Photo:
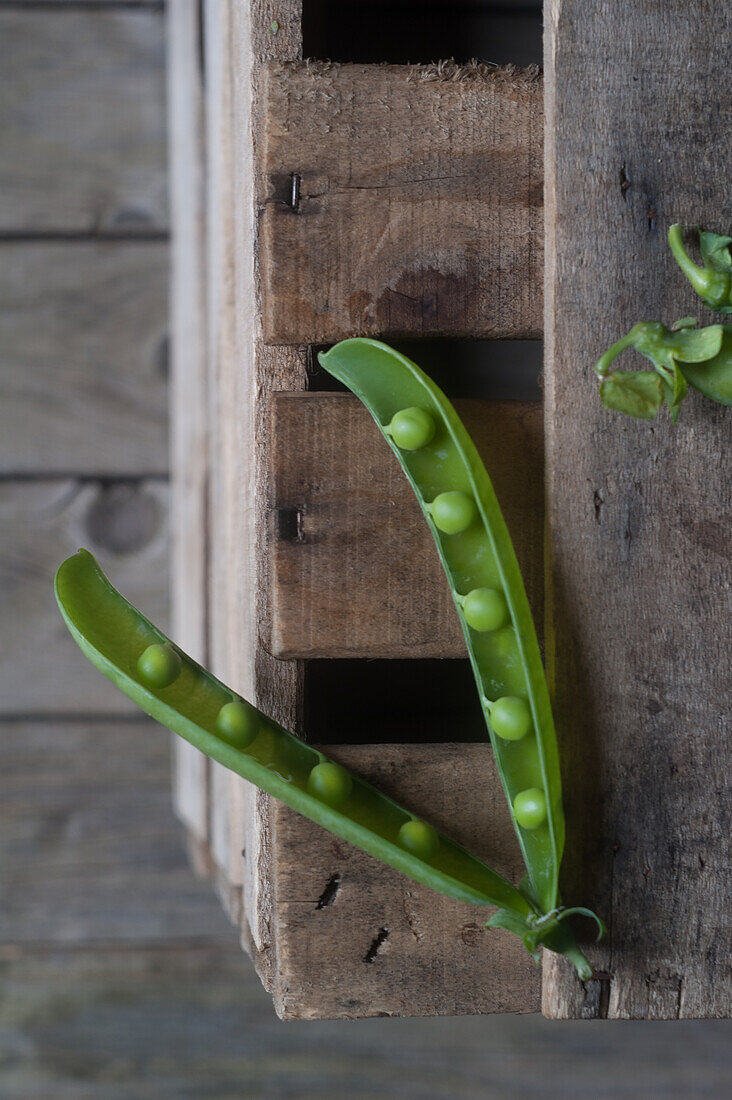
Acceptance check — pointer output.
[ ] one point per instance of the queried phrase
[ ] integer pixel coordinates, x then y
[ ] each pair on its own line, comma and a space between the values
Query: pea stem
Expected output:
579, 961
603, 363
713, 287
697, 276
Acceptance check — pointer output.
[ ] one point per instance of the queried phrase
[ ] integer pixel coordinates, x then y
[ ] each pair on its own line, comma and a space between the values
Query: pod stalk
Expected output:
712, 286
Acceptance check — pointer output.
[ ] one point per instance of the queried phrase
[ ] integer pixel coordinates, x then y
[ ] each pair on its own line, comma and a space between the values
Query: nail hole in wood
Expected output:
379, 940
330, 892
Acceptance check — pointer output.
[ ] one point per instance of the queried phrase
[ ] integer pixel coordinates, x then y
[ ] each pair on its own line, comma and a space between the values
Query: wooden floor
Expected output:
120, 978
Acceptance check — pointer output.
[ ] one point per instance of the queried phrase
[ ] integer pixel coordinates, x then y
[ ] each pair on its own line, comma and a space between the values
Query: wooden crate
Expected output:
314, 201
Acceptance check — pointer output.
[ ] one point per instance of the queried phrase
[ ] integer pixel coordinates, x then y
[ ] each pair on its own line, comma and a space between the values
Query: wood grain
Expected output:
343, 519
188, 383
354, 938
89, 848
639, 515
77, 394
82, 140
241, 373
41, 522
418, 204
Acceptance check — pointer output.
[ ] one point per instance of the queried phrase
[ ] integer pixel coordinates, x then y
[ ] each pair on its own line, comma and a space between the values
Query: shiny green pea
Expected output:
485, 609
412, 428
159, 666
511, 718
420, 839
330, 783
237, 724
453, 512
529, 808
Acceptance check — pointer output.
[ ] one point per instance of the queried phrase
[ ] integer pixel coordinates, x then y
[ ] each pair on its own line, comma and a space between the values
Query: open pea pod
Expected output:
179, 693
451, 483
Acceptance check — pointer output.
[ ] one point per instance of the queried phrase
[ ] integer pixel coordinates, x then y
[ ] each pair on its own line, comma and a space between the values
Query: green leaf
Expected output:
675, 392
684, 322
635, 393
697, 346
715, 251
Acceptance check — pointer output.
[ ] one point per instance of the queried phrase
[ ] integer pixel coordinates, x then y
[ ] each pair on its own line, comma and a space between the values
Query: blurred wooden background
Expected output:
119, 975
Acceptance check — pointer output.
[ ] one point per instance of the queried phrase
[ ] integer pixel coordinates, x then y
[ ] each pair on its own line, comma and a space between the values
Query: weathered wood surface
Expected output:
77, 395
353, 938
399, 200
188, 383
242, 372
639, 515
88, 846
82, 140
343, 519
141, 1023
41, 523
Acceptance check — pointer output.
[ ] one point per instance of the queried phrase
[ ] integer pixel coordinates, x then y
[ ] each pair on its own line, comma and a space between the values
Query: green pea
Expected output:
453, 512
511, 718
420, 839
159, 666
485, 609
236, 723
412, 428
330, 783
529, 808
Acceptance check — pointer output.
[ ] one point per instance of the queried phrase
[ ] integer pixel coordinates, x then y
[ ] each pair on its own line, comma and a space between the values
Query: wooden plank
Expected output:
78, 395
82, 140
112, 1024
345, 520
638, 515
41, 523
354, 938
188, 384
89, 848
242, 372
417, 206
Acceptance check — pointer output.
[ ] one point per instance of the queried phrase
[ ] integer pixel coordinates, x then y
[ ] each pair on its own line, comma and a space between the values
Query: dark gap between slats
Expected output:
413, 32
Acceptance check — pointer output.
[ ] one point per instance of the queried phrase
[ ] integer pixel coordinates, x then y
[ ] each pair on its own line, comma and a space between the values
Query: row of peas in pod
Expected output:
188, 699
484, 610
239, 725
457, 498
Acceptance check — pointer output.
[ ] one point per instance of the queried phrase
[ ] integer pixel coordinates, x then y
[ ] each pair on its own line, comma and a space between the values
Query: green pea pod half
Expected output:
179, 693
453, 487
713, 281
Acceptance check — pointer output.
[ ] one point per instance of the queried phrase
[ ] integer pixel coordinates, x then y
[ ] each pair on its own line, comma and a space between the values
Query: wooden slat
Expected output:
89, 848
82, 139
117, 1024
220, 325
238, 39
77, 394
354, 938
354, 570
41, 523
639, 515
418, 206
188, 385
